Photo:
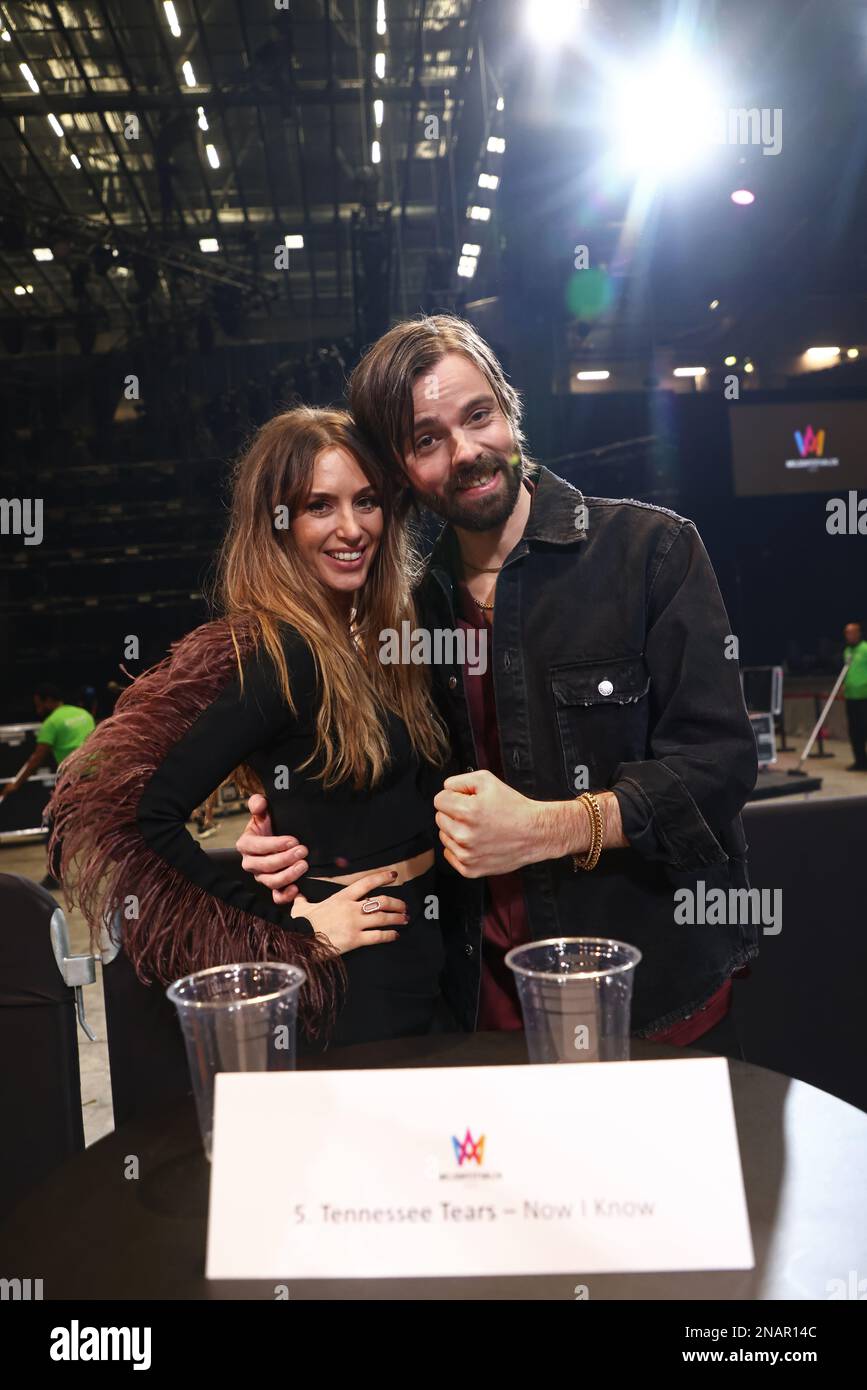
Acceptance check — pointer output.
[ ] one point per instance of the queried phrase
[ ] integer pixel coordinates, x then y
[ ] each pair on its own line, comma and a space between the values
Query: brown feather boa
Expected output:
98, 852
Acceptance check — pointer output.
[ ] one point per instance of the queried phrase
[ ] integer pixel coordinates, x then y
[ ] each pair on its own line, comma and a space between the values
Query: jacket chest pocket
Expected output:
602, 718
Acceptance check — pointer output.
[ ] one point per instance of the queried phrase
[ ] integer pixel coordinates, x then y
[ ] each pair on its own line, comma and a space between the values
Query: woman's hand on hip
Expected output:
348, 920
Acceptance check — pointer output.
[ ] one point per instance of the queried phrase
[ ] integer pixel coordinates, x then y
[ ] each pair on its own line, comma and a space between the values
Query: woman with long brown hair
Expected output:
286, 692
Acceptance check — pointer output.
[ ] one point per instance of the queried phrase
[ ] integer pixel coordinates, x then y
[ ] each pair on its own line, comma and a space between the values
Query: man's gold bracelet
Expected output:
597, 834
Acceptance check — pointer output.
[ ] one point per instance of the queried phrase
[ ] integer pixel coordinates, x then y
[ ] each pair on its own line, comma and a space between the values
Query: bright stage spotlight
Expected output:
663, 115
743, 197
550, 22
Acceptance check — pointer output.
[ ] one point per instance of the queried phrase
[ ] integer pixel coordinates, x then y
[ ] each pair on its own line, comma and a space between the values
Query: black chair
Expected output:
802, 1009
146, 1054
40, 996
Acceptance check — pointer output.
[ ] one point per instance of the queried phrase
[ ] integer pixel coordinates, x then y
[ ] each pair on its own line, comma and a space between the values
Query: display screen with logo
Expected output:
814, 446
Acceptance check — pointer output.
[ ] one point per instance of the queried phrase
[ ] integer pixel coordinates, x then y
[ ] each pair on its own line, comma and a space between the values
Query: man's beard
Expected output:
484, 513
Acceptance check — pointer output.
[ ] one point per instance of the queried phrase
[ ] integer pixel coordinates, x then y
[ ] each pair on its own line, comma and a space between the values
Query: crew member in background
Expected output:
63, 729
855, 691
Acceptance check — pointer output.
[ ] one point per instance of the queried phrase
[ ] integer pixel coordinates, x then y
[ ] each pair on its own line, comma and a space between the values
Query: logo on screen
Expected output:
468, 1148
810, 442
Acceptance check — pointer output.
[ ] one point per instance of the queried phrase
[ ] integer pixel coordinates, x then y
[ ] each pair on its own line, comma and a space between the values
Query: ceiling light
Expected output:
213, 157
43, 253
203, 120
55, 125
28, 75
189, 75
496, 145
488, 181
690, 371
743, 197
593, 376
209, 243
294, 240
172, 17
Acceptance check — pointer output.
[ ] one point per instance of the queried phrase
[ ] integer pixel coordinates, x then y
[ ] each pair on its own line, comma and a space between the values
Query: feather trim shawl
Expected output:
98, 852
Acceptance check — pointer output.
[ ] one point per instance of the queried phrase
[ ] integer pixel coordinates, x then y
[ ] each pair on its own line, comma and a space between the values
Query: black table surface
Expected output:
91, 1232
774, 784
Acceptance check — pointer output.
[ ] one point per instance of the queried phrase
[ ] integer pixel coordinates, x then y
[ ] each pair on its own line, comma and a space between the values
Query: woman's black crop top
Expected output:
344, 829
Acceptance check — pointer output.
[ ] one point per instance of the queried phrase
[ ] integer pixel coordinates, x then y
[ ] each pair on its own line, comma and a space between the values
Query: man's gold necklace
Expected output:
482, 569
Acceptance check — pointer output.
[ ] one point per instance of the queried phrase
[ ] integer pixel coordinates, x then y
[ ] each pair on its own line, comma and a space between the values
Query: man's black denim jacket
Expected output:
608, 652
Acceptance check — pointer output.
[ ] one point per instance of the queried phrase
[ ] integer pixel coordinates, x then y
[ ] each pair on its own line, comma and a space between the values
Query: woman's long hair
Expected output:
262, 576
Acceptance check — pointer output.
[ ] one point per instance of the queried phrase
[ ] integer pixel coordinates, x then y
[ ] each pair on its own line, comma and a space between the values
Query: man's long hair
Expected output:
381, 386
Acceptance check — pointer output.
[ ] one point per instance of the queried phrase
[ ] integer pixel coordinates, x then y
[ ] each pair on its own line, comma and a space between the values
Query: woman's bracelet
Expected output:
597, 834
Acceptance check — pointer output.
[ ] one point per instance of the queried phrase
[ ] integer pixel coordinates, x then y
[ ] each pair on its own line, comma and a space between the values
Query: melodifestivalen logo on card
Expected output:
468, 1149
469, 1160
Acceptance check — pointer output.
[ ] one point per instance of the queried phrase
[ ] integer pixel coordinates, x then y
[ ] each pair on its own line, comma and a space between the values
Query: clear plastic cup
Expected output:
576, 997
236, 1018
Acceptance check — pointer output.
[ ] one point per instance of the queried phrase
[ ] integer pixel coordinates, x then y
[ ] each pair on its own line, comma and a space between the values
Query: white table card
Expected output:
615, 1167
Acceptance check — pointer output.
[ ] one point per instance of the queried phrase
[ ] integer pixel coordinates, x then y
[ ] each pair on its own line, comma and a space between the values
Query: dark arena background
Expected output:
653, 211
146, 330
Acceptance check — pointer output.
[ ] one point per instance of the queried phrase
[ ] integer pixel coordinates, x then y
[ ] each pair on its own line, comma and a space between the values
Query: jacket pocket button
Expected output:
468, 950
605, 688
453, 682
